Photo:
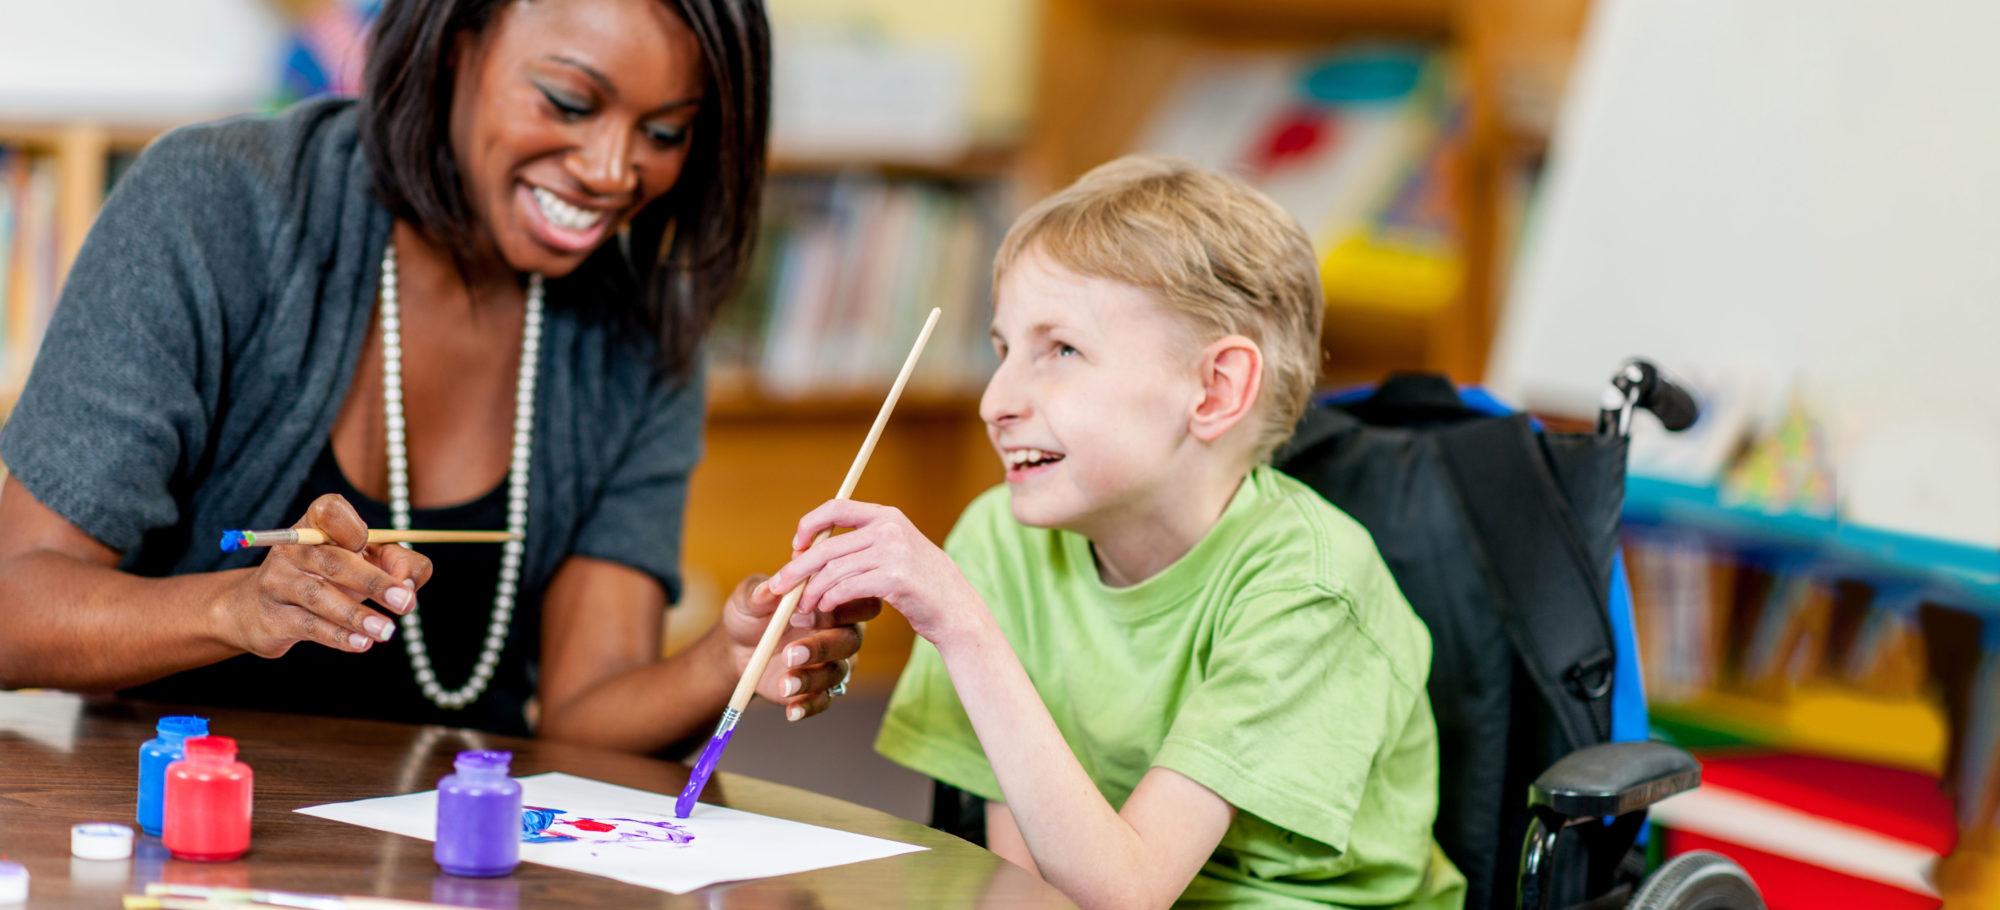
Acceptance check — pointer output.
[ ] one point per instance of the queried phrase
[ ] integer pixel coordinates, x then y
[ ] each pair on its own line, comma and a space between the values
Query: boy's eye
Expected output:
567, 108
1063, 350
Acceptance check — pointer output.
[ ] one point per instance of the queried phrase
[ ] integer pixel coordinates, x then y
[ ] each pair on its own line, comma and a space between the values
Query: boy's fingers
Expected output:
833, 573
834, 513
814, 560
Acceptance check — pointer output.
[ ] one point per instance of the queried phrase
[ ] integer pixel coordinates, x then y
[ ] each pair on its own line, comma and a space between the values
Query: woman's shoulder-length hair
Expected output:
683, 256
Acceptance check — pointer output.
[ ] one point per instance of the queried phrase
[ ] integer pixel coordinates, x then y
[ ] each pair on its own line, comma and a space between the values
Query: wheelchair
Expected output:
1503, 535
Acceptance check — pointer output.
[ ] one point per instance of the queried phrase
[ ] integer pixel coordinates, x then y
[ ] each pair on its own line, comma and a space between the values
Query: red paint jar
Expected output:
208, 802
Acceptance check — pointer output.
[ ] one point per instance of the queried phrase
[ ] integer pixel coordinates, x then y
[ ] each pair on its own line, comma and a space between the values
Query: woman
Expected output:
470, 300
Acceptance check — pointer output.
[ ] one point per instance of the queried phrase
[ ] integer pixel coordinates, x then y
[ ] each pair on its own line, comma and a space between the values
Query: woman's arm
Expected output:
603, 681
69, 619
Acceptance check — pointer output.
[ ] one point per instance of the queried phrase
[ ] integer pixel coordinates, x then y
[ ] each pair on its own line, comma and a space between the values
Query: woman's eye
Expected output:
566, 107
667, 136
1063, 350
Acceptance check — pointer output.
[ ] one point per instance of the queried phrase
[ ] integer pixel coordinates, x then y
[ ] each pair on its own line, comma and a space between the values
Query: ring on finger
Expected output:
840, 688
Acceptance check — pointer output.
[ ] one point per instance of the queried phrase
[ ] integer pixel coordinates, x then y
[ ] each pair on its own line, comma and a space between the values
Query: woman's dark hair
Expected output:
686, 251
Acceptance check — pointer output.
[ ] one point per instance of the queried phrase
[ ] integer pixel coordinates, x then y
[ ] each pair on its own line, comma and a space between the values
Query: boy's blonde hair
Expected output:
1211, 249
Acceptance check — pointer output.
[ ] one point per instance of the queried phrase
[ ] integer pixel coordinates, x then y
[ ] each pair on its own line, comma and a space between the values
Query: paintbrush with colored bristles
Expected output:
766, 646
312, 537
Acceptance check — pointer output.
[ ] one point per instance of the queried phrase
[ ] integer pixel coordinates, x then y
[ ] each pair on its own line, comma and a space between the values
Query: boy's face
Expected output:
1089, 408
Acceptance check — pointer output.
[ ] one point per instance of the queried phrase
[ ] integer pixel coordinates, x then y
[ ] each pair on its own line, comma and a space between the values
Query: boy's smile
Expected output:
1089, 407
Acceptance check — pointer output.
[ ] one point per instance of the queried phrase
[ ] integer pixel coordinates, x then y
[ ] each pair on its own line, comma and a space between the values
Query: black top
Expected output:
457, 607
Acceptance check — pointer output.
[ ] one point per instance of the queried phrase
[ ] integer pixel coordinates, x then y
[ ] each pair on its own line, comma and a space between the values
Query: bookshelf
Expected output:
1105, 65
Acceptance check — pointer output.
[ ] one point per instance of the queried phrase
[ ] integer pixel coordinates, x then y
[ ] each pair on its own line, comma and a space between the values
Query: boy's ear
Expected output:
1232, 372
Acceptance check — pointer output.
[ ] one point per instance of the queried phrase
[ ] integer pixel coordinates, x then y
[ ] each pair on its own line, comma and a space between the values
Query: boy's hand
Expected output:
882, 556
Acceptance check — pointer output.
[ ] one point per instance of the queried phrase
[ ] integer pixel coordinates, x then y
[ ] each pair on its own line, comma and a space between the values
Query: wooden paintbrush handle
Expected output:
746, 687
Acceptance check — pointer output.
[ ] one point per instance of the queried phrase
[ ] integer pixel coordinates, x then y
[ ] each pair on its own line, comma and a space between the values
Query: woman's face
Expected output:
568, 118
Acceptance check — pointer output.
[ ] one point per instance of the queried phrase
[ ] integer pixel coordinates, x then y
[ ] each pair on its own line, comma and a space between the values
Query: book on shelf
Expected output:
29, 253
1357, 142
845, 269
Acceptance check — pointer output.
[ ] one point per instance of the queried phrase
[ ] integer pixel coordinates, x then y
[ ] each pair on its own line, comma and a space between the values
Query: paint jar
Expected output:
208, 802
154, 757
13, 883
479, 817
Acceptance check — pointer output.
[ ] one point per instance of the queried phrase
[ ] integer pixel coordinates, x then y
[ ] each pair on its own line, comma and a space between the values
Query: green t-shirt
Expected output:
1275, 663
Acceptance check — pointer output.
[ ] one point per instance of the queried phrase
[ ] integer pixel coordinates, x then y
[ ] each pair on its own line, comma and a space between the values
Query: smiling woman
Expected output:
471, 298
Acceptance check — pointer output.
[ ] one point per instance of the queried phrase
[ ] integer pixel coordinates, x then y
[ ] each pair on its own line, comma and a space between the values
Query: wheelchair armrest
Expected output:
1611, 779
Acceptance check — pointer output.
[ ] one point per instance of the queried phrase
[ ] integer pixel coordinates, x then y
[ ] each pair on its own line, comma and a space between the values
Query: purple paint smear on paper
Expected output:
703, 768
547, 826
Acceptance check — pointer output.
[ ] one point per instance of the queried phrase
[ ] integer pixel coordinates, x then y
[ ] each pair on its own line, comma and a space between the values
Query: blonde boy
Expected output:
1174, 673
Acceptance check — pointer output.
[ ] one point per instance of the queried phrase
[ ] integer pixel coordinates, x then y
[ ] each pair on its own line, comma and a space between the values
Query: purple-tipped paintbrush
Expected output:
746, 687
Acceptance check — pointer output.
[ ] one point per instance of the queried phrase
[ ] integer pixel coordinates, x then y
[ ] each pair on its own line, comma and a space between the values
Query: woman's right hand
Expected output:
315, 593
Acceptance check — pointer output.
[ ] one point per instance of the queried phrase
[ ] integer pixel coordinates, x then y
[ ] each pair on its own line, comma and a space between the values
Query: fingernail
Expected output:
791, 685
356, 641
795, 656
378, 627
794, 713
802, 620
410, 583
399, 598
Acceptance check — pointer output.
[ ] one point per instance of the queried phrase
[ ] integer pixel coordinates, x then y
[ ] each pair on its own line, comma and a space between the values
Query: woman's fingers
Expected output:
335, 516
329, 600
808, 706
355, 572
816, 679
402, 563
307, 627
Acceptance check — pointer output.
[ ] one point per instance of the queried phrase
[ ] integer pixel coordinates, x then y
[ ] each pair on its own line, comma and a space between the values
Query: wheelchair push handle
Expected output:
1641, 385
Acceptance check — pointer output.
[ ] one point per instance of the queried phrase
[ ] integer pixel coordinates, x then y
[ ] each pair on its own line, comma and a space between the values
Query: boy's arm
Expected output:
1003, 836
1142, 856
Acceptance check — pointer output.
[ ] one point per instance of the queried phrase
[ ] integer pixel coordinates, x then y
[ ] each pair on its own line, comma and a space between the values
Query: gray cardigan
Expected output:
208, 332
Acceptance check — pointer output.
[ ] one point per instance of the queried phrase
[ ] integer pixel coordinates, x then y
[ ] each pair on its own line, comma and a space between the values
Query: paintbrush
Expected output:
747, 686
312, 537
165, 896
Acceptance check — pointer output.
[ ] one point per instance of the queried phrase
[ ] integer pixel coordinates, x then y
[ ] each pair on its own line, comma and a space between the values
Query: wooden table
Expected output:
65, 760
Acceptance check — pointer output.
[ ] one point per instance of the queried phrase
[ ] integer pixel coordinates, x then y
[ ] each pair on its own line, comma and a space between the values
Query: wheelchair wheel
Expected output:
1698, 880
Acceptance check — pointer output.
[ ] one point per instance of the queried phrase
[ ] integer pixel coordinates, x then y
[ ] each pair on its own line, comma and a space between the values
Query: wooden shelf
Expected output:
977, 165
736, 398
51, 137
1415, 17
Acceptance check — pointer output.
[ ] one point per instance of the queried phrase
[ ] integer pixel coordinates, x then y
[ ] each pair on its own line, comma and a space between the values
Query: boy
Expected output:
1176, 674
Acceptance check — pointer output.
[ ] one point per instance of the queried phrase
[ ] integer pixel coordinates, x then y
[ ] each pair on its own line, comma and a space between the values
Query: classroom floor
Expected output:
832, 754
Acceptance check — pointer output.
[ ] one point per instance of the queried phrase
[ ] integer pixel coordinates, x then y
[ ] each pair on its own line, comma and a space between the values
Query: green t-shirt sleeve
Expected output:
1295, 704
926, 729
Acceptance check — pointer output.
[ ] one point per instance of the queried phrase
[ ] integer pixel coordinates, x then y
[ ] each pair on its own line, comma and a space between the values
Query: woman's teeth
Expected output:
1021, 458
563, 215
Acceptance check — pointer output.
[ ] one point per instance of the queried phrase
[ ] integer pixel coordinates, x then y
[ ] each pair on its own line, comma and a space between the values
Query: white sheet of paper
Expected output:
727, 845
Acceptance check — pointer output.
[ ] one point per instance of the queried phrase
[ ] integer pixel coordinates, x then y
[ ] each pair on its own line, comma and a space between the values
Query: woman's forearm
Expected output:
70, 624
648, 707
1080, 842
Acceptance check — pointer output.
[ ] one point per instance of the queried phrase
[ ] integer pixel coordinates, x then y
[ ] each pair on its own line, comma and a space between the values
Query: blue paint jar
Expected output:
154, 757
479, 817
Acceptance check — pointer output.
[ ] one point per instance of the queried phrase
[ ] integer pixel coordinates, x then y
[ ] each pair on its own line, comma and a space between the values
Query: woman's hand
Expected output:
315, 593
814, 656
883, 557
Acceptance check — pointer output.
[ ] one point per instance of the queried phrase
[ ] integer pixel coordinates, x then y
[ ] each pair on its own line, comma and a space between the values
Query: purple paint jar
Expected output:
479, 817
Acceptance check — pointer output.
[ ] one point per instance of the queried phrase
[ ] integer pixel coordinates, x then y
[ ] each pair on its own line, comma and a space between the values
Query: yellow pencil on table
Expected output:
166, 896
746, 687
237, 540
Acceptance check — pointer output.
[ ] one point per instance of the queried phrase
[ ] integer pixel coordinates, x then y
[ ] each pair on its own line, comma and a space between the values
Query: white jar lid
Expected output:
13, 883
100, 840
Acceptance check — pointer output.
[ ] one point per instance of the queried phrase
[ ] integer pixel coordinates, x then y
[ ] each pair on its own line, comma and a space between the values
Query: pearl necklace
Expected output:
517, 486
